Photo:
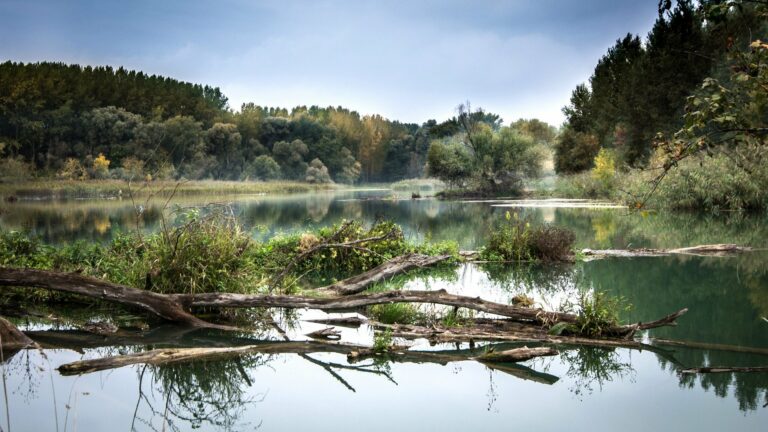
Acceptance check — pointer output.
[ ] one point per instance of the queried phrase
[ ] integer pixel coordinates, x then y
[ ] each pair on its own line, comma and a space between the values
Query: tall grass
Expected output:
121, 188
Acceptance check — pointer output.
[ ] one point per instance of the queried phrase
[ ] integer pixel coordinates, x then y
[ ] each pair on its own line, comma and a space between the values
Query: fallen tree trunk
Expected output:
11, 338
725, 369
74, 283
401, 264
160, 357
701, 250
535, 316
516, 354
173, 306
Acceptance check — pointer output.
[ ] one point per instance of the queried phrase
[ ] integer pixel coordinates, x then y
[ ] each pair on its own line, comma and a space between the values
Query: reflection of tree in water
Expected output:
592, 367
197, 393
749, 389
544, 278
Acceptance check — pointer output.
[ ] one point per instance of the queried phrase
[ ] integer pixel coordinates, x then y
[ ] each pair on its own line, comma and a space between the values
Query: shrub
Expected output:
317, 172
515, 240
14, 169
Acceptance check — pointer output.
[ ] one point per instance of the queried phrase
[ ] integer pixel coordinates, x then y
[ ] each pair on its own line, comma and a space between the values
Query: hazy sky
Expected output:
409, 60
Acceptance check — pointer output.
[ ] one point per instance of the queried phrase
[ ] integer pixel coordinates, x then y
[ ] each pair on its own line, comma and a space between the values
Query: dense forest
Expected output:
78, 122
640, 88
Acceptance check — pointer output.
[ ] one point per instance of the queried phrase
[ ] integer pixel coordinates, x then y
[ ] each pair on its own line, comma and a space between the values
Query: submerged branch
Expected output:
701, 250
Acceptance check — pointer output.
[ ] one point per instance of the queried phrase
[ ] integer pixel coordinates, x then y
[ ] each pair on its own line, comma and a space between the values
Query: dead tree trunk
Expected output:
74, 283
401, 264
11, 338
701, 250
516, 355
172, 306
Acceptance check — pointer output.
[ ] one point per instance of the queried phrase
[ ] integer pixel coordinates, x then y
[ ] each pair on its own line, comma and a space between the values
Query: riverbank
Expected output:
57, 189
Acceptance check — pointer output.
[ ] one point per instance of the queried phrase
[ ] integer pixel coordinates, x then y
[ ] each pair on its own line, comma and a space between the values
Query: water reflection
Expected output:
727, 299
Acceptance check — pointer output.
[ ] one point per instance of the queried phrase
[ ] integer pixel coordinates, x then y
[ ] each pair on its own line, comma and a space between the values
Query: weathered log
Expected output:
352, 322
701, 250
75, 283
536, 316
328, 333
516, 355
11, 338
710, 346
395, 266
724, 369
172, 306
160, 357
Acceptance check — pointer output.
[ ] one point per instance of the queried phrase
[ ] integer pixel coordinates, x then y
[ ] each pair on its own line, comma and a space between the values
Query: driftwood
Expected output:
529, 315
11, 338
74, 283
401, 264
174, 307
176, 355
724, 369
328, 333
352, 322
701, 250
516, 355
710, 346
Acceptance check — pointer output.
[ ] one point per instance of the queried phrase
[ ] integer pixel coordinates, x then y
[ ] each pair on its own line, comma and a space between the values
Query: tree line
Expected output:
78, 122
641, 91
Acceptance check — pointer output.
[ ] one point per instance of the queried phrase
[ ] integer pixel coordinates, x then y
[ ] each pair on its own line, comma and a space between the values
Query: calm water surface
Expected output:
580, 389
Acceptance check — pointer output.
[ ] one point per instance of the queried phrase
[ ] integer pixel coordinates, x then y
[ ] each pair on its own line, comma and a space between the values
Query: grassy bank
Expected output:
119, 188
709, 184
211, 252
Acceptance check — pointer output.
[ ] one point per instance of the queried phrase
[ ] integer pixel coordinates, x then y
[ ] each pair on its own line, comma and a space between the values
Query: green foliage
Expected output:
640, 88
598, 312
514, 239
448, 161
202, 254
317, 172
575, 151
14, 169
488, 159
715, 183
395, 313
263, 168
382, 341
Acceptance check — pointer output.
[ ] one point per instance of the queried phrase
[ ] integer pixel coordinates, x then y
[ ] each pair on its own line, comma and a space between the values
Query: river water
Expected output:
580, 389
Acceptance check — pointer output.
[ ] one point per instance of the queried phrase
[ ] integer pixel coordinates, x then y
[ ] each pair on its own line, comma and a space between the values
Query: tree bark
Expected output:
401, 264
11, 338
173, 306
701, 250
516, 354
74, 283
724, 369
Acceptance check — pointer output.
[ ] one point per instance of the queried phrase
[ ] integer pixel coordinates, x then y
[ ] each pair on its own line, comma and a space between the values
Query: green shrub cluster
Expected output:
514, 239
212, 253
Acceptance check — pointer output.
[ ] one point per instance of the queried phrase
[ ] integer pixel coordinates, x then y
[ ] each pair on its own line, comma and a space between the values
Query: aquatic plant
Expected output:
514, 239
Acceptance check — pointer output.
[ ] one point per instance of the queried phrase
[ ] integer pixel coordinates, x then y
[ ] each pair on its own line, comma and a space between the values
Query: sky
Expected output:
410, 60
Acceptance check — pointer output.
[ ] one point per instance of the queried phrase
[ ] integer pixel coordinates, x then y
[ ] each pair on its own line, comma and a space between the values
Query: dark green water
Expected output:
580, 389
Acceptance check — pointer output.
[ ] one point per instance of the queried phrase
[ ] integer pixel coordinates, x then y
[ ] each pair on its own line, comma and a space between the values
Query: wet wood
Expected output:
516, 354
173, 307
11, 338
725, 369
395, 266
159, 357
75, 283
327, 333
710, 346
701, 250
351, 322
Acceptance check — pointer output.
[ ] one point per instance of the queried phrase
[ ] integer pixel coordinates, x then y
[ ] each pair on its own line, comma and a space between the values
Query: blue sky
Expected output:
408, 60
